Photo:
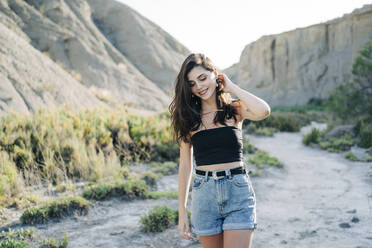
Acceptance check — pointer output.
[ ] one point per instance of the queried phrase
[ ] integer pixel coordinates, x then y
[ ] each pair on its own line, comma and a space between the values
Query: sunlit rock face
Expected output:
83, 53
291, 67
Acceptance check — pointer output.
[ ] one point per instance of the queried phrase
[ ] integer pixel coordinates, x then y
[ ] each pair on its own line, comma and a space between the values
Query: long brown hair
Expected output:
185, 110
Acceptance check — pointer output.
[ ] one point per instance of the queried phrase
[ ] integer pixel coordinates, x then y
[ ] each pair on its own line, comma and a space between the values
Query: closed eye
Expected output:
192, 84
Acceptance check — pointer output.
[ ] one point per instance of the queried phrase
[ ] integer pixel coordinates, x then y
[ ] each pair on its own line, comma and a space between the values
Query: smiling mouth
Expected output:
203, 92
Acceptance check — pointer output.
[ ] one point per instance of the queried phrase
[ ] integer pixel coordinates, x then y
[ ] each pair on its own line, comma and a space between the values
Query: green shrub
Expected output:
312, 137
158, 219
166, 168
314, 104
22, 158
52, 243
54, 210
365, 136
11, 243
332, 144
260, 158
160, 194
65, 186
265, 131
165, 152
98, 192
20, 234
352, 98
129, 189
276, 121
351, 156
59, 144
248, 147
52, 146
150, 178
11, 183
16, 238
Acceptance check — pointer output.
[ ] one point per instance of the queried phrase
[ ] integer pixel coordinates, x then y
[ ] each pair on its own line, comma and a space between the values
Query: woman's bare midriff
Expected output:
220, 166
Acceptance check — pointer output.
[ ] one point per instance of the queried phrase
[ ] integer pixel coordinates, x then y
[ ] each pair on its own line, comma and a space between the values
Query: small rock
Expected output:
355, 220
341, 130
283, 242
293, 219
351, 211
345, 225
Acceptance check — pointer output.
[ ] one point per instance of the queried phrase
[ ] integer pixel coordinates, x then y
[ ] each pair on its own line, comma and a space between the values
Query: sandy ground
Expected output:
319, 199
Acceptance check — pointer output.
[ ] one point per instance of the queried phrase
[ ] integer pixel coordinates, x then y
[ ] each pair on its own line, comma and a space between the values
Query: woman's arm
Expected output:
250, 106
184, 175
258, 109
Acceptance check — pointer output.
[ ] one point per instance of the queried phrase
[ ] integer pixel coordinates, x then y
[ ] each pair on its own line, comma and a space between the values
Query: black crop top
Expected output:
217, 145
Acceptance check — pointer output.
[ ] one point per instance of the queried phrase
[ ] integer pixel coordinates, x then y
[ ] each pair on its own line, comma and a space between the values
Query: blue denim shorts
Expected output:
222, 204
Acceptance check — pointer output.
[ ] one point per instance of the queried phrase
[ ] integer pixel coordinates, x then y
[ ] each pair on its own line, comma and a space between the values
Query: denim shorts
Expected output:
222, 204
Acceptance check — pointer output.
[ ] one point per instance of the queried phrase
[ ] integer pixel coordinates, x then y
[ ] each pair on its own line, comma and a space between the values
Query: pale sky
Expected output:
221, 29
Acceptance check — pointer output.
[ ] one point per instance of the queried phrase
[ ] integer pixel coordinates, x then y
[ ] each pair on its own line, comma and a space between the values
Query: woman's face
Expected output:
202, 82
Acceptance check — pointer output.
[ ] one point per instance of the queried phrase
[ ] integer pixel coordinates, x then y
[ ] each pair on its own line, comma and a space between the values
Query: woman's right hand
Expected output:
184, 226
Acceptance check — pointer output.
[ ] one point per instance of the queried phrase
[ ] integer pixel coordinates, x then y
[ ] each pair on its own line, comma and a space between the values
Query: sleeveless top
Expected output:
217, 145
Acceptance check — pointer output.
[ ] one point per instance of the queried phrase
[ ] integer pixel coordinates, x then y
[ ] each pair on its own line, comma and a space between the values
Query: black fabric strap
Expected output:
223, 173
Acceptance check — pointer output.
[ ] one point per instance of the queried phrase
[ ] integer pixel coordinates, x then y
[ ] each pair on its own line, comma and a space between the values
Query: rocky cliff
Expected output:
83, 53
291, 67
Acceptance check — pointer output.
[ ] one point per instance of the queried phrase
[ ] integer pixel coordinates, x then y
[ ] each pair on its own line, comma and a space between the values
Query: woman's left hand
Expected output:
226, 82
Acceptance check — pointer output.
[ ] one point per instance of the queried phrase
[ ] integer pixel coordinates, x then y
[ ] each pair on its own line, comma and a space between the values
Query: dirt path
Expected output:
311, 201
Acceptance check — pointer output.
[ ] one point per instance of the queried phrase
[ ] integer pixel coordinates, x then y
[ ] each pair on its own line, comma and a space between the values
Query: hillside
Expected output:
83, 53
291, 67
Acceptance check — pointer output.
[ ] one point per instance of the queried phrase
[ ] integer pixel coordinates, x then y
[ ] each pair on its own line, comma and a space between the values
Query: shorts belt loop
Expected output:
206, 176
228, 173
246, 169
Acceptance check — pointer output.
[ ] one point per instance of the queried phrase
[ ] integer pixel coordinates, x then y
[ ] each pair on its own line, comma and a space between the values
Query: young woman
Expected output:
207, 123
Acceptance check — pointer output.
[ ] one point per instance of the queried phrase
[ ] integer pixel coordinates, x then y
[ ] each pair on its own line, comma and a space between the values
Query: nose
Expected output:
198, 85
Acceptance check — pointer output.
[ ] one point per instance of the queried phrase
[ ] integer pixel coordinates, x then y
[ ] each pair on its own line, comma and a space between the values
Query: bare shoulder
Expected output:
185, 145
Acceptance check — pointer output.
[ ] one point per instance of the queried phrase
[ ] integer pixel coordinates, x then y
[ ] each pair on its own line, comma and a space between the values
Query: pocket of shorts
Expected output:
197, 183
240, 180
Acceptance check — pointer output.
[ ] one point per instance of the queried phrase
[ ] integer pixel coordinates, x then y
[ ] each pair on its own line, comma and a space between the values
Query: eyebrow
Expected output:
198, 77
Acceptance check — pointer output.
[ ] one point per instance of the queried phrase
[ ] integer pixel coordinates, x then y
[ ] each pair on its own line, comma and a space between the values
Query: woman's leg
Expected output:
237, 238
212, 241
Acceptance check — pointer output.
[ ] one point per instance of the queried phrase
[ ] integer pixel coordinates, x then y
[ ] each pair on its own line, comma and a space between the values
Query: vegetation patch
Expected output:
248, 148
262, 158
150, 178
64, 187
318, 138
55, 210
350, 102
259, 158
61, 145
277, 122
363, 131
332, 144
16, 238
163, 194
129, 189
52, 243
165, 168
158, 219
314, 104
342, 142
